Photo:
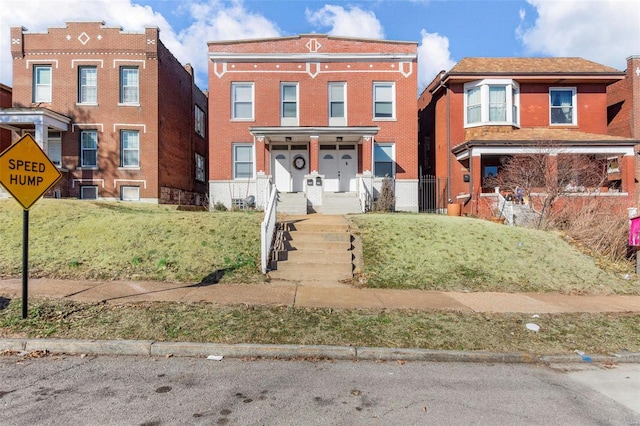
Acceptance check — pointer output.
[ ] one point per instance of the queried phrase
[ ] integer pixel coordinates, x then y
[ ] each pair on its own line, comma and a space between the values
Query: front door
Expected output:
347, 169
339, 165
289, 163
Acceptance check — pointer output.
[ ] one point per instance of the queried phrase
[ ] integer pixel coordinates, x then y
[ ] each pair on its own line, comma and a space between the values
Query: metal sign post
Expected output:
27, 174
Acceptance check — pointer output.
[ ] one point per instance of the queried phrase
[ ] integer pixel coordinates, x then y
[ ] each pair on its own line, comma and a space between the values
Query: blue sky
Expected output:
604, 31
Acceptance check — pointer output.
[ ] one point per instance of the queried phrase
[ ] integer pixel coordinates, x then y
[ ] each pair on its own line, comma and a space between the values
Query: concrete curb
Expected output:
243, 350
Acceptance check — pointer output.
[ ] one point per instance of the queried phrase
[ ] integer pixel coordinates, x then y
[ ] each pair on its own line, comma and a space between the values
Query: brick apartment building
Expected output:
623, 109
315, 115
485, 110
114, 110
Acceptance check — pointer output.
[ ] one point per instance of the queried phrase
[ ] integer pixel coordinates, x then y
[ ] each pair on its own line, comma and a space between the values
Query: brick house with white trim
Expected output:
114, 110
315, 115
484, 110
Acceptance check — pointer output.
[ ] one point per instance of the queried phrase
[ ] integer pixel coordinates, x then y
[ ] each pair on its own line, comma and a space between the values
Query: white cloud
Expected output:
433, 57
604, 31
37, 16
212, 20
353, 22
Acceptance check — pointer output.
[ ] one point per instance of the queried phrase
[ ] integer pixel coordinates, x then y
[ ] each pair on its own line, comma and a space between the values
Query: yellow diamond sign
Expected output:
26, 172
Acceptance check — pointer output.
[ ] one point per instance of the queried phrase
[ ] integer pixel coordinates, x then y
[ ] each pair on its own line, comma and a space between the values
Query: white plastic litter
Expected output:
535, 316
215, 357
533, 327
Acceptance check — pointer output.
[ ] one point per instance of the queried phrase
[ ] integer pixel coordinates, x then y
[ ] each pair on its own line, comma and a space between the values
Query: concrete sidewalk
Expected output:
338, 296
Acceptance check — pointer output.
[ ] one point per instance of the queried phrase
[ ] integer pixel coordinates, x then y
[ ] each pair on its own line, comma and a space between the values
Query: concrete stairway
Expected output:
293, 203
337, 203
315, 250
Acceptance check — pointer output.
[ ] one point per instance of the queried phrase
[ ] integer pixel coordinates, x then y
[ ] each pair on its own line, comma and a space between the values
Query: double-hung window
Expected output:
199, 118
200, 168
87, 85
243, 161
289, 104
130, 148
384, 104
242, 101
562, 103
89, 148
42, 83
383, 160
337, 104
129, 85
492, 101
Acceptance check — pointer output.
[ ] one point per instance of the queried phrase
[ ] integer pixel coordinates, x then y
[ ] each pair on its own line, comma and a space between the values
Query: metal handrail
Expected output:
268, 228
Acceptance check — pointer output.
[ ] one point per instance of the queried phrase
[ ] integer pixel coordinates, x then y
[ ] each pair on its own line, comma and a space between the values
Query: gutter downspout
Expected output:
446, 88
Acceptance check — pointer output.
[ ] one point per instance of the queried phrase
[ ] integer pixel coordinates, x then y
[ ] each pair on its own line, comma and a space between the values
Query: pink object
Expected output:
634, 231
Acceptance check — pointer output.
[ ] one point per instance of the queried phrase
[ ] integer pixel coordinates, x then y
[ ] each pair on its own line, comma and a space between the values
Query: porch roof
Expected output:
332, 134
544, 140
27, 118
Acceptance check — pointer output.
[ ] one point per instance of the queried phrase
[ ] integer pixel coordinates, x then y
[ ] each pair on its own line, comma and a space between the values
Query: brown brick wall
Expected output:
5, 102
108, 49
313, 95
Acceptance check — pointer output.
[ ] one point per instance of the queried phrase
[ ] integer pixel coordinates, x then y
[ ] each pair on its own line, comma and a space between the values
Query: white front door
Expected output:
347, 170
289, 165
281, 173
329, 168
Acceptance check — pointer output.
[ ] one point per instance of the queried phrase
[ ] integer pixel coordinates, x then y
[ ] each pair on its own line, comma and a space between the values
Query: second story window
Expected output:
562, 102
289, 104
89, 148
130, 147
242, 101
129, 85
491, 101
200, 125
384, 105
42, 83
337, 104
87, 85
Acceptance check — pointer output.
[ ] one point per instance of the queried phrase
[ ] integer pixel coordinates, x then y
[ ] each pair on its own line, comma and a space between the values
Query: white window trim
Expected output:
122, 150
289, 121
82, 149
511, 100
253, 160
121, 86
574, 106
36, 99
393, 100
339, 121
253, 102
80, 86
129, 187
393, 159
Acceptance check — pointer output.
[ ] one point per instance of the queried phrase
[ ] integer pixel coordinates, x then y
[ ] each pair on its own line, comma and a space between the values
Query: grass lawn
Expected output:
435, 252
114, 240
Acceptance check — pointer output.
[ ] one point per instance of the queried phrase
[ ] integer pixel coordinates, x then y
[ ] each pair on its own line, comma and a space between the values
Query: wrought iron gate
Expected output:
432, 194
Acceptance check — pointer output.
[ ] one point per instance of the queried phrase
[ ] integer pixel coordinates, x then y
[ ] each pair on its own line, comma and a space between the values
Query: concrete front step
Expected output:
326, 246
328, 237
315, 256
311, 272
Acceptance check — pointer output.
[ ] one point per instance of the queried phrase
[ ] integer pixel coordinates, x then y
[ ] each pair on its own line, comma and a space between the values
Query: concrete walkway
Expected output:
338, 296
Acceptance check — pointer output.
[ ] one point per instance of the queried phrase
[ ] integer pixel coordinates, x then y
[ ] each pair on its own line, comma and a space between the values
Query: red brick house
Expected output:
623, 108
115, 110
484, 110
315, 115
5, 102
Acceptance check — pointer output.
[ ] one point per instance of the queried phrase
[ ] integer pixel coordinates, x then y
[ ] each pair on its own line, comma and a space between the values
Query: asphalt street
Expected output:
116, 390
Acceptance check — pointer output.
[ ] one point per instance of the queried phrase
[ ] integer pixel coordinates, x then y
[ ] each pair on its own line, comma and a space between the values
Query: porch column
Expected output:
260, 155
628, 176
475, 186
314, 147
42, 135
367, 155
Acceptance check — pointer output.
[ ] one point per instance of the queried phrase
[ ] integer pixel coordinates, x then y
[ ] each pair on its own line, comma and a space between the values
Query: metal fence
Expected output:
432, 197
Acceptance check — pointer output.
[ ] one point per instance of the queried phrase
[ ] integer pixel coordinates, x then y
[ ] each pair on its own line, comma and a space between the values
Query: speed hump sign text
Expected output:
26, 172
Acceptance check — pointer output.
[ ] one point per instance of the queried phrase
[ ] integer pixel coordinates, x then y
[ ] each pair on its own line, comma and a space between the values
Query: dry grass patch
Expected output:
116, 240
437, 330
434, 252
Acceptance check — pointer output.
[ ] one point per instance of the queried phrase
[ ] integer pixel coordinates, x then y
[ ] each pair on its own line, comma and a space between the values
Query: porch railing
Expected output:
268, 228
